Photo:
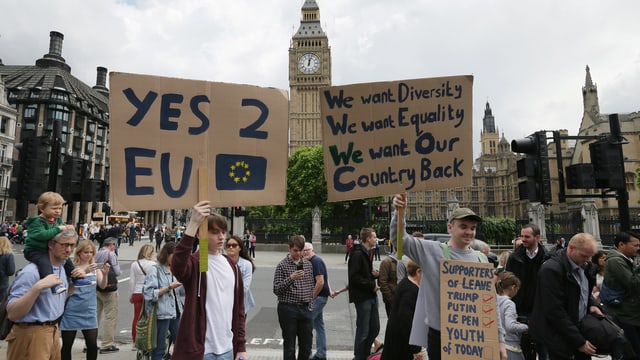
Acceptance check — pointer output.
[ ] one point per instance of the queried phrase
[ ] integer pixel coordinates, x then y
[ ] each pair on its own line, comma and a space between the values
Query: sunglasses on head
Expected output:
232, 246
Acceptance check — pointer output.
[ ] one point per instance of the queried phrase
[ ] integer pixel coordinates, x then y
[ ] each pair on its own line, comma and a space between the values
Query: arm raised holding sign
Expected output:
224, 279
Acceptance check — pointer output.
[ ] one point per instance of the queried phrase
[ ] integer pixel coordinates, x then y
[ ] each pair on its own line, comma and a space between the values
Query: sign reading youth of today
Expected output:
163, 129
468, 320
389, 137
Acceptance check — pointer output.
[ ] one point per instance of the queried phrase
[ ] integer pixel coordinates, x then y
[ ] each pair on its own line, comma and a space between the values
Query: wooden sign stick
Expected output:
203, 230
400, 233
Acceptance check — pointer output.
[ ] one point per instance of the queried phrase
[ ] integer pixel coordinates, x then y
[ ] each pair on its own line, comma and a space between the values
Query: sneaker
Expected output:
82, 283
110, 350
58, 289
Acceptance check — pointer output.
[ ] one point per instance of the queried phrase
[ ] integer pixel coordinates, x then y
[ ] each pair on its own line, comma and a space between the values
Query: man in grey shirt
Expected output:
425, 330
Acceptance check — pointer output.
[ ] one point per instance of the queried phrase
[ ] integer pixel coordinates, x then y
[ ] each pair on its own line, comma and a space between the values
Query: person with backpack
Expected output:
462, 225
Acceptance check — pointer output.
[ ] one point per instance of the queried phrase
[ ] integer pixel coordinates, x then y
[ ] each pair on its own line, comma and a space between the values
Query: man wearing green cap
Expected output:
425, 330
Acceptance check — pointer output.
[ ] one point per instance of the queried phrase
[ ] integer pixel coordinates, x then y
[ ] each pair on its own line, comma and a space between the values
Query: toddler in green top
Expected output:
41, 229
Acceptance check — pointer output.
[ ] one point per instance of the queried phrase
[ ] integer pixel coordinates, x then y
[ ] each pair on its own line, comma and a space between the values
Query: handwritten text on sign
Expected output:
388, 137
468, 323
163, 129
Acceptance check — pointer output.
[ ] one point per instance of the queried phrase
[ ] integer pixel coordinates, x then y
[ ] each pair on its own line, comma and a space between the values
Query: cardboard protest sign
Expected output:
390, 137
468, 321
162, 130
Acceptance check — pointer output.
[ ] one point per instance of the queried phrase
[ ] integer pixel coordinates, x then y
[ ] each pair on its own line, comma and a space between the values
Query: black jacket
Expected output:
396, 338
554, 320
361, 282
527, 271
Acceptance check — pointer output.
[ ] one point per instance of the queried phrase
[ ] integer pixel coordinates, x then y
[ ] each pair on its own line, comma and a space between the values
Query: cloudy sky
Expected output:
528, 58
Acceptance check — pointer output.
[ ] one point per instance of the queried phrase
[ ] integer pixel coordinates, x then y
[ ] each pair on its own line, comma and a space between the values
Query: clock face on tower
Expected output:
309, 63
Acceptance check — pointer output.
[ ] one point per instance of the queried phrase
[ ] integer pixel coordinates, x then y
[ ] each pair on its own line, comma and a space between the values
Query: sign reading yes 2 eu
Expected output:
162, 130
390, 137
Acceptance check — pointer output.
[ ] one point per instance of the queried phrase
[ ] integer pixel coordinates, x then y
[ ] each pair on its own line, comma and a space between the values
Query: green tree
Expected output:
499, 231
307, 188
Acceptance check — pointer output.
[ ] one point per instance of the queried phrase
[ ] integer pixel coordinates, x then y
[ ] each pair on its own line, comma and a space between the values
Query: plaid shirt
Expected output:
297, 292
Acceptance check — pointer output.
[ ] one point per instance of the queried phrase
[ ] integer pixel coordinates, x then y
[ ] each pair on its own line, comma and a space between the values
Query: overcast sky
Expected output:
528, 58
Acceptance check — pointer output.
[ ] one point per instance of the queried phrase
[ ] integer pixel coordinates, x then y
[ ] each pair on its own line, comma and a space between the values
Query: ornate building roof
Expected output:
40, 82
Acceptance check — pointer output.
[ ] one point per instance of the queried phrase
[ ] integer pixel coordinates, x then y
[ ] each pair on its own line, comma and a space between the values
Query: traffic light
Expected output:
533, 170
580, 176
608, 164
74, 173
224, 211
33, 161
93, 190
238, 211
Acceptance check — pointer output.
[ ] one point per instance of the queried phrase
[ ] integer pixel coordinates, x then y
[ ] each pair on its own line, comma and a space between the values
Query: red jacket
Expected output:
191, 334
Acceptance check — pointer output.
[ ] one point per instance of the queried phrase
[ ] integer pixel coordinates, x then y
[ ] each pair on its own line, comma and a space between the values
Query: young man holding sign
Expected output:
425, 330
214, 303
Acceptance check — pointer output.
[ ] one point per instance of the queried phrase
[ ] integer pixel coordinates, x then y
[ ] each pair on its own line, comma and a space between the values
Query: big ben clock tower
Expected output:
309, 70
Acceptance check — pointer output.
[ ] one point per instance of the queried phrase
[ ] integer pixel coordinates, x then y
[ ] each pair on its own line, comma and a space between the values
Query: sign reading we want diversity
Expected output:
162, 130
390, 137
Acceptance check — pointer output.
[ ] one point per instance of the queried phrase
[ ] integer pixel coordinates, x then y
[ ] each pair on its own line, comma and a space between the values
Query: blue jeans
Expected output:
367, 327
295, 321
164, 326
226, 356
318, 326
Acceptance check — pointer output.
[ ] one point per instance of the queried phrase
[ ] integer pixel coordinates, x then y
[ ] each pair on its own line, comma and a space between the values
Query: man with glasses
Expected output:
562, 299
36, 312
108, 297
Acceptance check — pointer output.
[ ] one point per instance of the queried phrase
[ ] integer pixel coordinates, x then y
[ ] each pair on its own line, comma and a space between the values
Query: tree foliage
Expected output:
499, 231
306, 189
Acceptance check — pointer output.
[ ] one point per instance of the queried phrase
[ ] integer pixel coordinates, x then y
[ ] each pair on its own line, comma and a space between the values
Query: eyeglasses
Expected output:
233, 246
66, 245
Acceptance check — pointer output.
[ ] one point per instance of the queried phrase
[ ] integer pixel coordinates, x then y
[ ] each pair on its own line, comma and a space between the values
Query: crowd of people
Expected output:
544, 296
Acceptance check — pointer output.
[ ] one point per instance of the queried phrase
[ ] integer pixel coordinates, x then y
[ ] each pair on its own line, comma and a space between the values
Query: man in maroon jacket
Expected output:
211, 330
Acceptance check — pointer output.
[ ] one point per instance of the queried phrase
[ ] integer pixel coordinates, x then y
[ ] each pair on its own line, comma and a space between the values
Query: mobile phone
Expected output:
300, 267
99, 266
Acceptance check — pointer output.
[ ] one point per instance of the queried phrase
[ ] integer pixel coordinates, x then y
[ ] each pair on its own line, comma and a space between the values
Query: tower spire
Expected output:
590, 96
588, 81
488, 121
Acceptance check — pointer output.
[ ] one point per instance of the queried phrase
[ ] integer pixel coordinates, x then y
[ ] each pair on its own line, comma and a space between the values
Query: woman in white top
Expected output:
240, 255
139, 270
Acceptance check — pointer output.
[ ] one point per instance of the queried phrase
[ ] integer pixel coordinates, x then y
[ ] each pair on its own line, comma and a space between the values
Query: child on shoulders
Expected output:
43, 228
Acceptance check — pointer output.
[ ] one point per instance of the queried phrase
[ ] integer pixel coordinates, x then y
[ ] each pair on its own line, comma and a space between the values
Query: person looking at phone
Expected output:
293, 285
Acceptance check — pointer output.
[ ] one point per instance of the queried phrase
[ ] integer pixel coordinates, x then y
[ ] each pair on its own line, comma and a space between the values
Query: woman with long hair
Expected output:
7, 264
139, 270
80, 312
240, 255
160, 288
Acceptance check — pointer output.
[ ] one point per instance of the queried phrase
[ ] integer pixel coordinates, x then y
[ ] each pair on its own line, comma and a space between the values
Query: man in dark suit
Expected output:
525, 262
562, 299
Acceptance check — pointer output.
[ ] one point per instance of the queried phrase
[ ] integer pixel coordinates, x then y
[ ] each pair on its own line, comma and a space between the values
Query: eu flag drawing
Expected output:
240, 172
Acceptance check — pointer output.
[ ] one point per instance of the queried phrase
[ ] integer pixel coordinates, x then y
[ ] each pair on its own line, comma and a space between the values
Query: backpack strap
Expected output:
447, 254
